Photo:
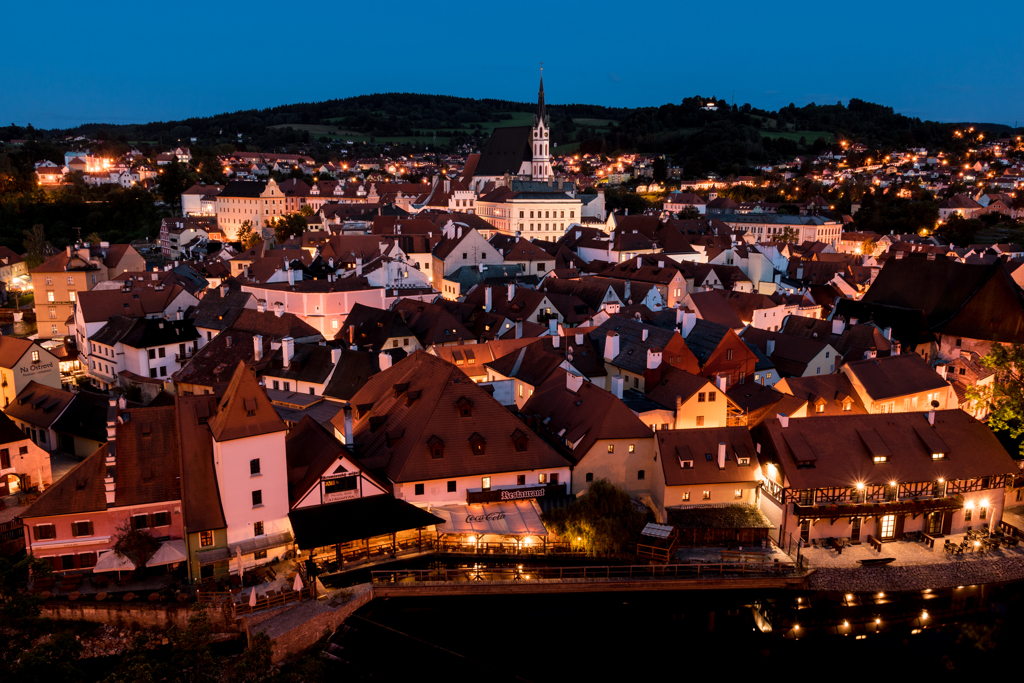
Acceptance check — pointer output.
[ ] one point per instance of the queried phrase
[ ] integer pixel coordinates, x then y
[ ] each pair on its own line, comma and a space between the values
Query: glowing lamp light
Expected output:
846, 624
796, 627
892, 484
849, 596
969, 505
924, 615
860, 486
878, 621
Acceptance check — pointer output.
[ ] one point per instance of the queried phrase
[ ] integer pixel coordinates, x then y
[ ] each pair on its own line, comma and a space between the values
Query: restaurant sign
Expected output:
342, 486
499, 495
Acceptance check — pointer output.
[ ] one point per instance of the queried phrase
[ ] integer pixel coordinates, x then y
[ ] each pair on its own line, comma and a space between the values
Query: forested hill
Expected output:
703, 134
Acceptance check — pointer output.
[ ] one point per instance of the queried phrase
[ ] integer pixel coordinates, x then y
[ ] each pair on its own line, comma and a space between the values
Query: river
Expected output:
675, 634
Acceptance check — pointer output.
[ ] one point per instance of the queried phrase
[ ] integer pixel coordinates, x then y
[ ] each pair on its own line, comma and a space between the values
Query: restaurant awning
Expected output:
350, 520
169, 552
247, 547
512, 518
112, 562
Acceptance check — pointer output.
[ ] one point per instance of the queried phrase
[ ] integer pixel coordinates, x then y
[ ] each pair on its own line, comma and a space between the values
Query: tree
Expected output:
93, 238
256, 663
247, 236
868, 246
287, 226
192, 659
1005, 396
660, 169
688, 213
135, 545
175, 178
602, 520
35, 246
788, 234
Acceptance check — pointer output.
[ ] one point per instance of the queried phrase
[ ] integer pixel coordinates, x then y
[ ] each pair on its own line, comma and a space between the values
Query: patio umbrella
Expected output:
112, 562
169, 552
252, 597
298, 582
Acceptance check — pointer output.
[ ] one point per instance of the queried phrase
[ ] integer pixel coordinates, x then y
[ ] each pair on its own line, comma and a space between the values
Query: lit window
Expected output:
632, 448
611, 448
707, 495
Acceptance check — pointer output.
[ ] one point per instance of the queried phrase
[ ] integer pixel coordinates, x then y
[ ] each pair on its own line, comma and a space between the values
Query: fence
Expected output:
272, 599
792, 545
601, 573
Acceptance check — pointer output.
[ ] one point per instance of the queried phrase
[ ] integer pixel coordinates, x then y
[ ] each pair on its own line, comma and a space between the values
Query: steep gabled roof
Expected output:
245, 409
414, 402
202, 507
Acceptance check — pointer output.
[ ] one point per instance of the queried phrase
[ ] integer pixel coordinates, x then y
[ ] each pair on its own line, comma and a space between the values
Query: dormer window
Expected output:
465, 407
743, 462
686, 464
880, 459
436, 447
250, 407
520, 440
478, 444
938, 456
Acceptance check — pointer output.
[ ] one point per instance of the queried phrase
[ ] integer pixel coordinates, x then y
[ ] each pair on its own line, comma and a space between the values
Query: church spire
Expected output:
542, 112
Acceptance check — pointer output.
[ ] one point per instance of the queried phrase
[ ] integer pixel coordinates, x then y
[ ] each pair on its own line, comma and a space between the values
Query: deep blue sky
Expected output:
67, 63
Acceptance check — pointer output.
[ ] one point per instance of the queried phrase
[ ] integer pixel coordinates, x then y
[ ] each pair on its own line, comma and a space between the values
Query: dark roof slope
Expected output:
202, 507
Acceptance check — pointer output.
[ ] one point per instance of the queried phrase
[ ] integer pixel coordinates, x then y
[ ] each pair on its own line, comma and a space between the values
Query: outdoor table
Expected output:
128, 597
100, 597
182, 597
74, 596
46, 595
153, 597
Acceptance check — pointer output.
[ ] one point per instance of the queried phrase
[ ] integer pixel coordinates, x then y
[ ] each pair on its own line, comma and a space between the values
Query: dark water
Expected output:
678, 634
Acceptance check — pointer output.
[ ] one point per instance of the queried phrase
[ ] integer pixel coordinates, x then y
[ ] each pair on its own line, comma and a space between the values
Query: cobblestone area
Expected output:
962, 571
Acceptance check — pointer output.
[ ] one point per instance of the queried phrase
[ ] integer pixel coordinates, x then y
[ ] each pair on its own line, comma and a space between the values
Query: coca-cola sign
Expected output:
489, 517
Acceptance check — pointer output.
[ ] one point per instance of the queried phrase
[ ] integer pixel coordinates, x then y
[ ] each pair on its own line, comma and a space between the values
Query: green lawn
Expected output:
568, 148
999, 234
809, 135
596, 123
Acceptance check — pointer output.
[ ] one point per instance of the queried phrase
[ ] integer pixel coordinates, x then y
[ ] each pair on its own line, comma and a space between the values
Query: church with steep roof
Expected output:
520, 151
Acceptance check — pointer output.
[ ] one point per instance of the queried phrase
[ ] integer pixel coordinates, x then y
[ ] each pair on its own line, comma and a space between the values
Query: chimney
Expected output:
511, 291
553, 327
223, 289
579, 338
519, 329
257, 347
335, 356
69, 250
645, 334
287, 351
720, 383
573, 382
347, 410
261, 306
385, 360
227, 341
359, 266
689, 321
111, 419
800, 272
617, 383
887, 333
654, 357
721, 455
278, 309
611, 346
783, 420
838, 326
291, 277
628, 293
853, 321
931, 417
458, 232
639, 262
769, 347
556, 341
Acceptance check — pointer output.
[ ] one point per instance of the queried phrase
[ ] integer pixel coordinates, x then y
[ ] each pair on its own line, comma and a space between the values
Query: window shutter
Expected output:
898, 532
89, 528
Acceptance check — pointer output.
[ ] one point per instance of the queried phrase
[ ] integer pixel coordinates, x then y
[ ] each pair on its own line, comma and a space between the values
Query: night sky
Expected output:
70, 63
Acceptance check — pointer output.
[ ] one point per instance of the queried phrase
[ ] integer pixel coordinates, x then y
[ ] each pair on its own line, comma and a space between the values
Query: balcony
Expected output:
913, 506
182, 357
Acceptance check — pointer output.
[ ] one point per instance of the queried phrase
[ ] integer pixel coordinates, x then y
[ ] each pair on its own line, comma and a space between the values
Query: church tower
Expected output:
541, 166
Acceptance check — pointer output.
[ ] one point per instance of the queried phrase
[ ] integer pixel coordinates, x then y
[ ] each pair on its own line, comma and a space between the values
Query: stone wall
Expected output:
137, 616
296, 630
